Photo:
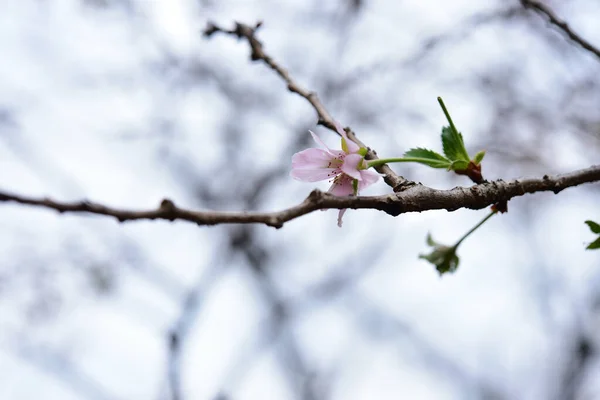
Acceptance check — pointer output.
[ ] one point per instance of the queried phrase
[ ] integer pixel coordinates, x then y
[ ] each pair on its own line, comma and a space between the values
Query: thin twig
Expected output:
417, 198
562, 25
257, 53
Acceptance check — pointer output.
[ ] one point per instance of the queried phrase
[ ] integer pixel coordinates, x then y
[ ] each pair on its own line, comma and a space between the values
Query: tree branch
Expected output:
257, 53
562, 25
416, 198
408, 196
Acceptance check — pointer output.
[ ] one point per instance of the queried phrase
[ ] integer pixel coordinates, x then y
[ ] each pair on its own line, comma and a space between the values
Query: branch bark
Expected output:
257, 53
416, 198
407, 197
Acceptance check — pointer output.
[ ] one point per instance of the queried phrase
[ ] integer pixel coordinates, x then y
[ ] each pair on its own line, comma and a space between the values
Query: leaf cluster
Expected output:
455, 158
595, 228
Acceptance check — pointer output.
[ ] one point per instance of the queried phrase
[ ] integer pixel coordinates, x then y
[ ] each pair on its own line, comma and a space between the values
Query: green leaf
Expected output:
479, 157
594, 245
425, 153
444, 258
459, 165
430, 241
595, 227
428, 157
453, 144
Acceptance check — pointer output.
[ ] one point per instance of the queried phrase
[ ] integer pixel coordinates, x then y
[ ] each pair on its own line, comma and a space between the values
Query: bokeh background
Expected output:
123, 102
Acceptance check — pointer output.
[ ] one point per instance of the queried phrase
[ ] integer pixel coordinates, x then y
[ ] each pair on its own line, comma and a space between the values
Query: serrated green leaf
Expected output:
479, 157
594, 245
425, 153
453, 145
595, 227
427, 157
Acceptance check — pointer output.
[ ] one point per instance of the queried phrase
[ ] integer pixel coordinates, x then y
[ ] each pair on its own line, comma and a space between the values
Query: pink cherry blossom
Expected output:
342, 167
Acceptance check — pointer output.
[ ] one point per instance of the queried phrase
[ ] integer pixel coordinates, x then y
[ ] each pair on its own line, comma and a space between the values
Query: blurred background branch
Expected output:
560, 24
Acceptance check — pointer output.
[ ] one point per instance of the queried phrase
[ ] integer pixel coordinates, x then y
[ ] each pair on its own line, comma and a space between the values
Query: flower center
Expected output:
336, 162
342, 179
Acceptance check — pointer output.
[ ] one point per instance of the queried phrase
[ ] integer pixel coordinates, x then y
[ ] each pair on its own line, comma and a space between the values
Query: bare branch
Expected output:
562, 25
416, 198
257, 53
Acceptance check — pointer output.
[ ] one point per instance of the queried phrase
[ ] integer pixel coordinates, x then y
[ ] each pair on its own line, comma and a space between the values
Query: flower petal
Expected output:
313, 174
342, 186
322, 144
311, 158
369, 177
350, 166
350, 145
340, 215
339, 128
313, 165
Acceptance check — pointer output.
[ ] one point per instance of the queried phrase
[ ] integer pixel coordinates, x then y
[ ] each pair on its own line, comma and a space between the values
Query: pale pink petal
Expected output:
352, 147
342, 186
369, 177
350, 166
311, 158
313, 174
339, 128
322, 144
340, 215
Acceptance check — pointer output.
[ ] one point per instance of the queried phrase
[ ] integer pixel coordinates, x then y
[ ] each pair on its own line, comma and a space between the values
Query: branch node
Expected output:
275, 223
557, 187
475, 191
168, 209
315, 197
